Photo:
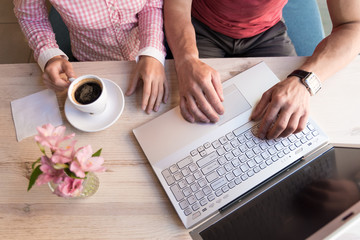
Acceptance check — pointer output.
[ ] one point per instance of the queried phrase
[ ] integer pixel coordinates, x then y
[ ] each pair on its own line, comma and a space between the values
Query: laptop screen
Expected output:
297, 206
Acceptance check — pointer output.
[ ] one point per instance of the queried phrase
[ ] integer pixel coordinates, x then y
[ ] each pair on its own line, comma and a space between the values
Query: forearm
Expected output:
335, 51
180, 33
342, 45
33, 20
151, 30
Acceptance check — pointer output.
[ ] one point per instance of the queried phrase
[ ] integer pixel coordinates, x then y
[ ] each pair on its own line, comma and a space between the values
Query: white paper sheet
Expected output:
35, 110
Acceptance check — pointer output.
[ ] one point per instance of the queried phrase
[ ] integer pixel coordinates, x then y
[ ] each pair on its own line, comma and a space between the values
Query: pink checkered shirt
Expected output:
99, 30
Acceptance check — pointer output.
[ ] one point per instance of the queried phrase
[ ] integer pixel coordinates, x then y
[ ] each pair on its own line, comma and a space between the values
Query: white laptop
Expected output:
205, 168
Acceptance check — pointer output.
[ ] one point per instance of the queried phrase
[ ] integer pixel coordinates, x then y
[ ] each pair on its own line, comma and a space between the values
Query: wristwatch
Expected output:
309, 79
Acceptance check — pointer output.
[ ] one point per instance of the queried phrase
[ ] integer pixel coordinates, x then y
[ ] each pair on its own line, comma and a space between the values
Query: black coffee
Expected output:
87, 93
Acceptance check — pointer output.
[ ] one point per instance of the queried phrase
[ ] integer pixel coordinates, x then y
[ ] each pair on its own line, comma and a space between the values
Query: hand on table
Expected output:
57, 72
155, 89
283, 109
200, 91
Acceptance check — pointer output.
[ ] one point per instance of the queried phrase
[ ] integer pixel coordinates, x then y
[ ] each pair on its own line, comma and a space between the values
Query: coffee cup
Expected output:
88, 94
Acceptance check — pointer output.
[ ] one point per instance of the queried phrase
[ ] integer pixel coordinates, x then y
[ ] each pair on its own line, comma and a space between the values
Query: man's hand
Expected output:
155, 88
57, 72
200, 91
283, 109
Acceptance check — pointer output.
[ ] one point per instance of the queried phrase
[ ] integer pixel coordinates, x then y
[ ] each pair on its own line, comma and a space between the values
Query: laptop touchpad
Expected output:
234, 104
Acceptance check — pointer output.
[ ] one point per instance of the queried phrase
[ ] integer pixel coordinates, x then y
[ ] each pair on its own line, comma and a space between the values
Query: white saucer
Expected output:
96, 122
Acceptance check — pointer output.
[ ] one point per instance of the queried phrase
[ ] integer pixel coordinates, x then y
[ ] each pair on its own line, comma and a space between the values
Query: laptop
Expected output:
205, 168
290, 208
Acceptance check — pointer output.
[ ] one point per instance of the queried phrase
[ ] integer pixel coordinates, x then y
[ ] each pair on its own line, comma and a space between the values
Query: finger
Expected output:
166, 91
195, 110
68, 69
146, 95
302, 123
54, 87
292, 125
47, 80
159, 97
279, 126
57, 76
184, 110
217, 85
261, 106
268, 120
203, 111
213, 106
54, 81
132, 85
152, 98
49, 84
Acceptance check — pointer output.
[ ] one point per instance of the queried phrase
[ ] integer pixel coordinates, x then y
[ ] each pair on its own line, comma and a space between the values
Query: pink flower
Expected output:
49, 173
70, 187
64, 155
64, 165
51, 137
84, 162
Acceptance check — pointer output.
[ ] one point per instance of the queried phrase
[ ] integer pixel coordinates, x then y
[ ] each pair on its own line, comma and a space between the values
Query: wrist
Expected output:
53, 59
150, 61
151, 52
308, 79
47, 54
188, 58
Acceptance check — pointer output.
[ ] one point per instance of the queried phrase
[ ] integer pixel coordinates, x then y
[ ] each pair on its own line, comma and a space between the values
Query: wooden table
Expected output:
130, 203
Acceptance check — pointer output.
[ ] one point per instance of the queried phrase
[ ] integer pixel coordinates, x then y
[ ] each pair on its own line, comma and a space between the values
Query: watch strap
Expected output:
308, 79
299, 73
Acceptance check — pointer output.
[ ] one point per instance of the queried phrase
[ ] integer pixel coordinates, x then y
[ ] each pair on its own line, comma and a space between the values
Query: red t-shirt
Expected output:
238, 18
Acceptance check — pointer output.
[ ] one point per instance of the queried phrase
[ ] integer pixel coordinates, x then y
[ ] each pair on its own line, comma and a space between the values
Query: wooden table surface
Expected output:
130, 203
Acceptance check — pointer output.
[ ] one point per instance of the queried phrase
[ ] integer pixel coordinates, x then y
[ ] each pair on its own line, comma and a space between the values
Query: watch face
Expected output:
313, 83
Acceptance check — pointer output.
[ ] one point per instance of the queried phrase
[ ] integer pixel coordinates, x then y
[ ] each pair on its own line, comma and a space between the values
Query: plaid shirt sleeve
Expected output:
151, 30
101, 30
33, 19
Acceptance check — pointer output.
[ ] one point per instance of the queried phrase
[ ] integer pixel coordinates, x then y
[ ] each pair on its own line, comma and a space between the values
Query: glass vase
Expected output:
90, 186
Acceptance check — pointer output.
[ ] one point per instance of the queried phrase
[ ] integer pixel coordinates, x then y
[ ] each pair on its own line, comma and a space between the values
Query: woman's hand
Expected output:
155, 86
57, 72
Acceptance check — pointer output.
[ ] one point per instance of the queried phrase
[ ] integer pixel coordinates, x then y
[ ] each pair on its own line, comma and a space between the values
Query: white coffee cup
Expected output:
88, 94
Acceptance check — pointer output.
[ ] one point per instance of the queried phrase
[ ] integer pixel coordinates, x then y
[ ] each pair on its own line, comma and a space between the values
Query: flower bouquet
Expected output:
65, 169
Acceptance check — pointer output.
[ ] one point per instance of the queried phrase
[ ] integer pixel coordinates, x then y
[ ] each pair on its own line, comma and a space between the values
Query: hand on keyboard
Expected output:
283, 109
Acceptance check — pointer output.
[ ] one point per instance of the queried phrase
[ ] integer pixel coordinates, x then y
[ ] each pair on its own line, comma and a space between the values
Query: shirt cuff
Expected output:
152, 52
46, 55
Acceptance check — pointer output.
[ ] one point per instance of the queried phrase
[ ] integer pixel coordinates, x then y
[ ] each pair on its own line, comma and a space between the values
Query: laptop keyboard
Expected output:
216, 167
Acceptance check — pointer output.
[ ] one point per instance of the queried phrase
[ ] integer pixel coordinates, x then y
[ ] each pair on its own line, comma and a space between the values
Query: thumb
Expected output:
261, 107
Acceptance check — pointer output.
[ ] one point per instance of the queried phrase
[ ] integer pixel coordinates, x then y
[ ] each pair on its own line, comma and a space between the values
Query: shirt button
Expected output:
113, 8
